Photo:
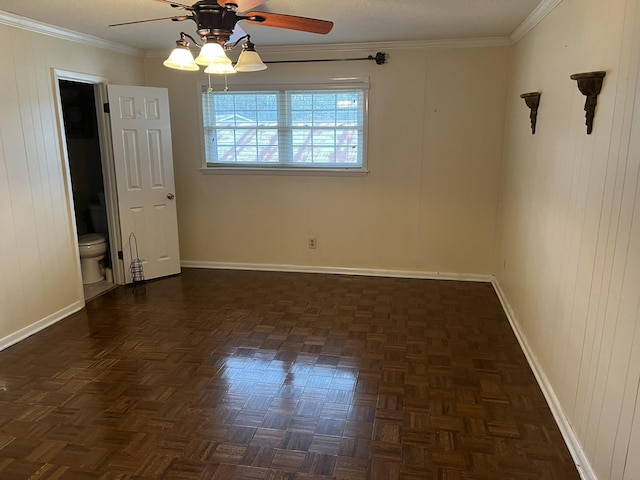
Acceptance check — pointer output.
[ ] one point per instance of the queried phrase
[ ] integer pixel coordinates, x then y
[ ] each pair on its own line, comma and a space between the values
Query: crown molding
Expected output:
366, 46
23, 23
539, 13
399, 45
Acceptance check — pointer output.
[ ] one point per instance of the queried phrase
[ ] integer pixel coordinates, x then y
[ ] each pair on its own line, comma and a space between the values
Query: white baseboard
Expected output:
29, 330
573, 444
369, 272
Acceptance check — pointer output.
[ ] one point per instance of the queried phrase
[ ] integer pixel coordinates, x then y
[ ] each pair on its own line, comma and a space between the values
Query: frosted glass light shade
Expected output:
250, 61
220, 67
210, 53
181, 59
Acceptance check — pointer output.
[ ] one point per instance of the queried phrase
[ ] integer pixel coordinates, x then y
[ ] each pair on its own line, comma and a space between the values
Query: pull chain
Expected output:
226, 85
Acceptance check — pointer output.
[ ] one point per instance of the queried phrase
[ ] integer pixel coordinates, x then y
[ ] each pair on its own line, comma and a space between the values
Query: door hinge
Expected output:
106, 108
120, 255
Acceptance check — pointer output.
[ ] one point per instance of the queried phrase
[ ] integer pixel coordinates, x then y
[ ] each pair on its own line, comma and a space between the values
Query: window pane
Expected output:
302, 155
225, 137
347, 117
267, 101
226, 154
301, 136
324, 118
268, 118
324, 101
347, 138
246, 153
268, 137
323, 137
323, 155
245, 118
246, 137
268, 154
301, 118
301, 101
246, 101
222, 102
225, 120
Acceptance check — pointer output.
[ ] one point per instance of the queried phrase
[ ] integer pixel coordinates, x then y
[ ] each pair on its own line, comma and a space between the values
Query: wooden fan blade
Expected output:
175, 4
291, 22
175, 19
243, 5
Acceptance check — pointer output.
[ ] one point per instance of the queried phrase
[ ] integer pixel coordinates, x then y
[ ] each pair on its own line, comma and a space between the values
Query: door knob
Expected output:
170, 196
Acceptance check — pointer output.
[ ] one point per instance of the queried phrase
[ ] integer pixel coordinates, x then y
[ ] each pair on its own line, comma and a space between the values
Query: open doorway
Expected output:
87, 185
90, 181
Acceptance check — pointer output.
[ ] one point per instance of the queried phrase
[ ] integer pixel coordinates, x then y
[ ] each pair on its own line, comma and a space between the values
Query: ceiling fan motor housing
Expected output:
213, 21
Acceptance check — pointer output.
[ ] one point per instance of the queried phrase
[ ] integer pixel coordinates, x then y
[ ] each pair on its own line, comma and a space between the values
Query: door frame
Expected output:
108, 168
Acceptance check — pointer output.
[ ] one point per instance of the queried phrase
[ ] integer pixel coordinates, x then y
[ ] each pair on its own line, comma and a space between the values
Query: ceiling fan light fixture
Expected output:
181, 58
216, 21
211, 52
249, 60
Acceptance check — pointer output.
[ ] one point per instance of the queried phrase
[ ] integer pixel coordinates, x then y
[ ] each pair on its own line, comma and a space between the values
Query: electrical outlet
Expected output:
312, 242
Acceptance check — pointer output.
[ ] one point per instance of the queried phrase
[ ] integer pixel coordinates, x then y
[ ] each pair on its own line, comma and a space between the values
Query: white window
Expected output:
286, 128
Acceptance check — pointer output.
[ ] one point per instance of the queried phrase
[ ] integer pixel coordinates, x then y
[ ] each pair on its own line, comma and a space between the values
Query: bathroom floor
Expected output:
94, 290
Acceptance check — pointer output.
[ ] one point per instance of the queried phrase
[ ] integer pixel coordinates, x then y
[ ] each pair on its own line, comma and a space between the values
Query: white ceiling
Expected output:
355, 21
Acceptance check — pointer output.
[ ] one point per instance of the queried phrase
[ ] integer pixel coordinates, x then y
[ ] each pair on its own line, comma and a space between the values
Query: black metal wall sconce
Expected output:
589, 84
532, 99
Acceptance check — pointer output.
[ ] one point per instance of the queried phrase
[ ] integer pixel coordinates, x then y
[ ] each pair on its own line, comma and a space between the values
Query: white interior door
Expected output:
143, 159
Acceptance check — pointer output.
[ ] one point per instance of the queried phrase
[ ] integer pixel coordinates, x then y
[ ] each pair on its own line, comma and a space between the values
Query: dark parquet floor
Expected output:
266, 376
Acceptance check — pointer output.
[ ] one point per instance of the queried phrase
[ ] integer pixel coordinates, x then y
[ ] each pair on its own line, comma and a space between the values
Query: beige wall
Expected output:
428, 205
39, 265
568, 256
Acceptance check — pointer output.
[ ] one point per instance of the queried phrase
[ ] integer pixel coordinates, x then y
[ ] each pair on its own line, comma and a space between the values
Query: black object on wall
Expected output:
589, 84
532, 99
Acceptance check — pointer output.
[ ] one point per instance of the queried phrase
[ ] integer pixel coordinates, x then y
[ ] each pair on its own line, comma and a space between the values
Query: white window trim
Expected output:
333, 83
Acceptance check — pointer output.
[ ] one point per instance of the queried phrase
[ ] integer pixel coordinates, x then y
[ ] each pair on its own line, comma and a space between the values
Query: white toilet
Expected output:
93, 247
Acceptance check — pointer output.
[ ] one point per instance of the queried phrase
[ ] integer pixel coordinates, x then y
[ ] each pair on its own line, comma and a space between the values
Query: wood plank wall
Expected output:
568, 256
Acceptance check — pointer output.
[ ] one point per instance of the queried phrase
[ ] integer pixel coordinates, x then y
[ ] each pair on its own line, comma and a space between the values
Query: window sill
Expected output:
329, 172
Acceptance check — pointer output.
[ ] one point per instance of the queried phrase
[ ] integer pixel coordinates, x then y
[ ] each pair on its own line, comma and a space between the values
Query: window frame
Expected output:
361, 83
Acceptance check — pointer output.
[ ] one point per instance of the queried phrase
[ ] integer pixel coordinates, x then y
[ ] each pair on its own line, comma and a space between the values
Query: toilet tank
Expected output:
98, 214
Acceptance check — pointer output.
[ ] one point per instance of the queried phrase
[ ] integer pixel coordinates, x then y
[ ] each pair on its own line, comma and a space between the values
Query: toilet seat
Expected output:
91, 239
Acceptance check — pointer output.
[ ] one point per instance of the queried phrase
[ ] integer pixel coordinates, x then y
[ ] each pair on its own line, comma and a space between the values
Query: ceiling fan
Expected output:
216, 25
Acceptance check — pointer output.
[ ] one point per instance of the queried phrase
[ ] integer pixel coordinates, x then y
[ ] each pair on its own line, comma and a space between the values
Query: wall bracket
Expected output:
532, 99
589, 84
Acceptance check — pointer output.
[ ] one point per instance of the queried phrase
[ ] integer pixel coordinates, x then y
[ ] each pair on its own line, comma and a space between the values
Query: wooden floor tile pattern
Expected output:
265, 376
